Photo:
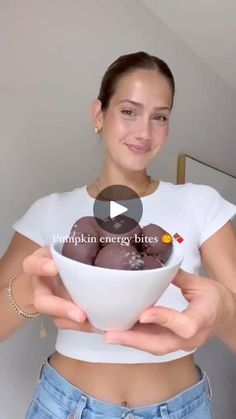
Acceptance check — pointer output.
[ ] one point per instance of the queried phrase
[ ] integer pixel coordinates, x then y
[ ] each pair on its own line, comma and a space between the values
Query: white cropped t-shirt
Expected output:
195, 212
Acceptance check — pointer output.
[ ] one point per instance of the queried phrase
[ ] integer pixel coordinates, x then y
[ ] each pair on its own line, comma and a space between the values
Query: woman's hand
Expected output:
162, 330
50, 296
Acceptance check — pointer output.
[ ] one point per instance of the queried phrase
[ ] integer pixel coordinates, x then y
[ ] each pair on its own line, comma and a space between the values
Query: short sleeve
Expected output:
215, 210
34, 223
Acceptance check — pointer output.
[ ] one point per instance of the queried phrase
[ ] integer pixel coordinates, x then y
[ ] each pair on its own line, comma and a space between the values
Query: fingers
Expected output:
69, 324
41, 266
181, 323
40, 263
186, 280
154, 343
46, 302
58, 307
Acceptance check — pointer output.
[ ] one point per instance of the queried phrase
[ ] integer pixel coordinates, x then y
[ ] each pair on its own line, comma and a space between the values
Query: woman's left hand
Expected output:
162, 330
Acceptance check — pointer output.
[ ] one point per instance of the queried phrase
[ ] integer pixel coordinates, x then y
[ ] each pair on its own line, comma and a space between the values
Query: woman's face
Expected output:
135, 125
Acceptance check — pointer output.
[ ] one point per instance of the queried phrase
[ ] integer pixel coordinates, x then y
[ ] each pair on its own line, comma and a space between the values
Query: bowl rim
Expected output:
128, 272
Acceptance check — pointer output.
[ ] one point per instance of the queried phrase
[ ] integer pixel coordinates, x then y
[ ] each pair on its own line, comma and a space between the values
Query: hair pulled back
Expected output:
126, 64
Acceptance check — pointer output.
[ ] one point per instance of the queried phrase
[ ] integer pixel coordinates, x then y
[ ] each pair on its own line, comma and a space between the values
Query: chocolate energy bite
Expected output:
120, 226
83, 242
160, 242
151, 262
116, 256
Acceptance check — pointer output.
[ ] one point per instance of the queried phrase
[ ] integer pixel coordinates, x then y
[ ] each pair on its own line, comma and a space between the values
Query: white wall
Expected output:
53, 55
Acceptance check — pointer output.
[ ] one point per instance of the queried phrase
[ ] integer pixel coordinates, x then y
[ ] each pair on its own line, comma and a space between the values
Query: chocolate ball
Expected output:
157, 241
116, 256
85, 224
151, 262
118, 243
83, 242
111, 229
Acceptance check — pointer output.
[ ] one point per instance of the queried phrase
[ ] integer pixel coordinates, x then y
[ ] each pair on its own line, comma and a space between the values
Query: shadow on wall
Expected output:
220, 365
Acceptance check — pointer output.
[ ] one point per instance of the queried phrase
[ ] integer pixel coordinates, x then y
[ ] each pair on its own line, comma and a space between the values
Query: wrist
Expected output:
226, 327
23, 293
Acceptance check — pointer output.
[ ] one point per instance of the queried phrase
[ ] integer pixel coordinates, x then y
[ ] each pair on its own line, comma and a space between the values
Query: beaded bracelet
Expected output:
15, 307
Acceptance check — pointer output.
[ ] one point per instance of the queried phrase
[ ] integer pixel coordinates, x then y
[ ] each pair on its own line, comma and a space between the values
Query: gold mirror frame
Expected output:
181, 168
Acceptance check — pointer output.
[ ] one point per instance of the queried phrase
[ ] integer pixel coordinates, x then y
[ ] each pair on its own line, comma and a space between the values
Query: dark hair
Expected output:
126, 64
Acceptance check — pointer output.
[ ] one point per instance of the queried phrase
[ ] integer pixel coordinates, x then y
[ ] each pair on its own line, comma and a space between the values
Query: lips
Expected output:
138, 148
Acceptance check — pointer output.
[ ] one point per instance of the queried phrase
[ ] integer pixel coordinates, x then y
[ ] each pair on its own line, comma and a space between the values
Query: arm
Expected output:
212, 308
35, 289
219, 259
10, 265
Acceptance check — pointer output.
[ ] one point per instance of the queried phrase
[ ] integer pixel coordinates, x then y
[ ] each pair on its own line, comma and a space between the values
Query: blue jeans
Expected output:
56, 398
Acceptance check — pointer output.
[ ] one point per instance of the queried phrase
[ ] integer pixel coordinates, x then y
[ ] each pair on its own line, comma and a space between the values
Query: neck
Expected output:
115, 176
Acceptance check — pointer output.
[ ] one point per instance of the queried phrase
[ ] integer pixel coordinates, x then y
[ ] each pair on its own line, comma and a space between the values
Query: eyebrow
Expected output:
140, 105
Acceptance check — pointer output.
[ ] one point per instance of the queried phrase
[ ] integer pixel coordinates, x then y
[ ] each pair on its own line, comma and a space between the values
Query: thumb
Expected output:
40, 263
185, 280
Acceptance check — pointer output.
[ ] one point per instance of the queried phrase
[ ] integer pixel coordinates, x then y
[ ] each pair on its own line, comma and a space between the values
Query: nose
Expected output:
143, 130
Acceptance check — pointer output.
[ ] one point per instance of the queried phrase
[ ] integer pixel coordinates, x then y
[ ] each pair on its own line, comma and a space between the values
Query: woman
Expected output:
148, 371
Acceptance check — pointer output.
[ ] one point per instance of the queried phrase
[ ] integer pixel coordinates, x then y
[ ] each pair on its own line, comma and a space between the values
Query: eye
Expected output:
160, 118
128, 112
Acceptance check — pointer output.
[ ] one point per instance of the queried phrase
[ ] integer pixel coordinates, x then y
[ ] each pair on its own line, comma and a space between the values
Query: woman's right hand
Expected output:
49, 294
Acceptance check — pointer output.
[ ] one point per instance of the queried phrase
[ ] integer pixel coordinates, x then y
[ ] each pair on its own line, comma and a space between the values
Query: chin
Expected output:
134, 166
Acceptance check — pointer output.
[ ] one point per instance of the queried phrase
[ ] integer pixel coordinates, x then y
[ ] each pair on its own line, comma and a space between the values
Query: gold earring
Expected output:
97, 130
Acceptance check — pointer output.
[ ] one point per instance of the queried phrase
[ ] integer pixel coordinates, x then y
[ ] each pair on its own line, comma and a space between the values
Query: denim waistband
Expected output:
69, 395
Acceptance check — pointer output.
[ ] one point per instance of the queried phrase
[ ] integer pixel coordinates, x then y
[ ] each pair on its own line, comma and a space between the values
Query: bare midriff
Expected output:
129, 385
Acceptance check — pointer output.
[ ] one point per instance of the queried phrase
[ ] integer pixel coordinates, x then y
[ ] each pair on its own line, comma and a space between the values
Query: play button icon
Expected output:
118, 209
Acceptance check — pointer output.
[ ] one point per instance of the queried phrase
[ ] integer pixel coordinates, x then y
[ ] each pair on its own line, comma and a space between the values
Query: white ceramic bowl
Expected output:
113, 299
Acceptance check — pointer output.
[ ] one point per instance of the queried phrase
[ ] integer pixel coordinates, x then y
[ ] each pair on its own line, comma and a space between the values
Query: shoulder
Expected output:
45, 213
45, 207
187, 187
58, 198
192, 190
197, 198
202, 196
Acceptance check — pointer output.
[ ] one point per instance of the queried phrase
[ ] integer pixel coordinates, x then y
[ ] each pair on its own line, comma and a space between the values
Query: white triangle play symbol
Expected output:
116, 209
